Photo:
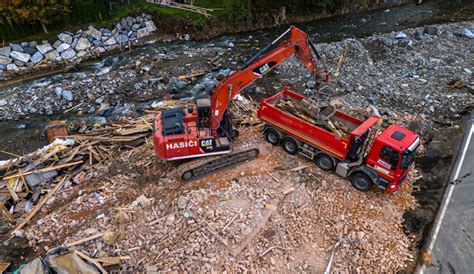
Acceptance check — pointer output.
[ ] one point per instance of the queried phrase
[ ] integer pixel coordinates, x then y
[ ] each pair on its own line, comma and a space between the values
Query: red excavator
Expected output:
205, 129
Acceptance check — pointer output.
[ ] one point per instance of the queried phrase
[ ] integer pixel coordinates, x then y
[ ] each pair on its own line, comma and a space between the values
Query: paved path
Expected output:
451, 241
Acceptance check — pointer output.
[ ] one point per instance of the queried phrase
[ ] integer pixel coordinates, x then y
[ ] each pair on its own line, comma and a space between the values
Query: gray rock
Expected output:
19, 56
5, 51
37, 57
111, 41
45, 48
67, 94
24, 44
39, 178
68, 54
3, 102
150, 25
65, 38
2, 67
100, 49
230, 45
5, 60
32, 44
467, 71
431, 30
183, 202
95, 33
449, 34
74, 42
187, 37
16, 47
20, 63
97, 43
83, 44
142, 33
130, 20
135, 27
63, 47
13, 67
467, 33
58, 91
82, 53
51, 55
401, 35
311, 84
106, 32
29, 51
57, 44
121, 38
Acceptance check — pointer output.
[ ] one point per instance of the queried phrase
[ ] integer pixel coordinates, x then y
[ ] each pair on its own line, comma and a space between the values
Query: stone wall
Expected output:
72, 48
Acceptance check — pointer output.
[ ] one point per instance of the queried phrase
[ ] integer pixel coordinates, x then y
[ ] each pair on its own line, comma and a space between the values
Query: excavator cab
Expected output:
203, 107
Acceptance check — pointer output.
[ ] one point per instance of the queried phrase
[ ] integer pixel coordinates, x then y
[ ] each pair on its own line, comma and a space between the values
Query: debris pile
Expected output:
276, 213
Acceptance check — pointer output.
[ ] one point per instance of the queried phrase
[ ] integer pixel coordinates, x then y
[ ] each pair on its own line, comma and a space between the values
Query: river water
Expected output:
26, 135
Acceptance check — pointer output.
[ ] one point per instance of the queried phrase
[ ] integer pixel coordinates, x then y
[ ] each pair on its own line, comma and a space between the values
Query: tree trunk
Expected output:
44, 27
250, 13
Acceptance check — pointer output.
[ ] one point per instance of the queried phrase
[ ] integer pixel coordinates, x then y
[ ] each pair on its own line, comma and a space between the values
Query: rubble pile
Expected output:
423, 73
276, 213
73, 47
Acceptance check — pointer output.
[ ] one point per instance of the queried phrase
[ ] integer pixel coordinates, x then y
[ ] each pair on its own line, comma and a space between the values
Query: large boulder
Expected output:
16, 47
143, 32
51, 55
44, 48
68, 54
150, 25
65, 38
37, 57
95, 33
19, 56
121, 38
12, 67
83, 44
63, 47
5, 60
5, 51
29, 50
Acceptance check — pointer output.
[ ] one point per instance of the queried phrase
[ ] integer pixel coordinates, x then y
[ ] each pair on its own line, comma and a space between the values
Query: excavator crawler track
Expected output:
201, 168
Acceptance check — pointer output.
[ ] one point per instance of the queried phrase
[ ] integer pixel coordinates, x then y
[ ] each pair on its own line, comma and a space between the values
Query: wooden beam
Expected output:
40, 205
42, 170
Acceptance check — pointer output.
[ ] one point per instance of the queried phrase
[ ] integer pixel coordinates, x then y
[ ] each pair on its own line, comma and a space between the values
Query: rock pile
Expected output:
74, 47
278, 213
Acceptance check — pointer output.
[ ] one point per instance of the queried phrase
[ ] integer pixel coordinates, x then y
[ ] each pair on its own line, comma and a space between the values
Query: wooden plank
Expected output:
87, 239
40, 205
43, 170
93, 261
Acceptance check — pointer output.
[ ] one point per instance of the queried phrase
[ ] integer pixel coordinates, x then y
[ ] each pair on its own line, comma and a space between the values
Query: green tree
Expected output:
44, 12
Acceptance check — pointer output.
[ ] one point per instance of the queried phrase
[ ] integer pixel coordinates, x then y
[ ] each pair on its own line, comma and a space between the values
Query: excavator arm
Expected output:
261, 63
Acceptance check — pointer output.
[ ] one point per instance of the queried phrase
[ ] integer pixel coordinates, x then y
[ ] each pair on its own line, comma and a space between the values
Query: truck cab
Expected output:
390, 157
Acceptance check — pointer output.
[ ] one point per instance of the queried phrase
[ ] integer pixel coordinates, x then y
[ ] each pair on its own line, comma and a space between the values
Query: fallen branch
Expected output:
270, 249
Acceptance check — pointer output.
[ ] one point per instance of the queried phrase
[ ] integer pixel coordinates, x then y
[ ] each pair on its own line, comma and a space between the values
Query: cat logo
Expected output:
264, 68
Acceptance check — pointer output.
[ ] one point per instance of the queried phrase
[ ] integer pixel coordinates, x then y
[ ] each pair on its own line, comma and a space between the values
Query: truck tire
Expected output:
324, 162
272, 137
290, 146
361, 182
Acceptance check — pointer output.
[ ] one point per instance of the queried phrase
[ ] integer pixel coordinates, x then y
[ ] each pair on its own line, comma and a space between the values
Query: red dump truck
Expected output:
363, 156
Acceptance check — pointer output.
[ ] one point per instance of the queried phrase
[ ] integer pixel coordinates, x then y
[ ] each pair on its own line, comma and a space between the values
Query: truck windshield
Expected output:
407, 158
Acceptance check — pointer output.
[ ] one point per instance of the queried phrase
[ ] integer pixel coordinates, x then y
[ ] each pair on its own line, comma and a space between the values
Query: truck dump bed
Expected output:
335, 140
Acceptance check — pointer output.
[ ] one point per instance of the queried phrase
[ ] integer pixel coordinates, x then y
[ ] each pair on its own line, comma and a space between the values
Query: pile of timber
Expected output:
24, 180
299, 110
244, 111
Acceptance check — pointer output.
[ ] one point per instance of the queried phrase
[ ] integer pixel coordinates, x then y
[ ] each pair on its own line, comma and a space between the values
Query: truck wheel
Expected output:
290, 146
272, 137
361, 182
324, 162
